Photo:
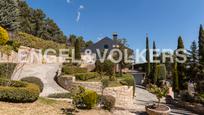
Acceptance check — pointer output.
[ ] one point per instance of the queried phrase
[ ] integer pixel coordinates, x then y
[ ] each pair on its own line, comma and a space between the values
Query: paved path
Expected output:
143, 97
45, 72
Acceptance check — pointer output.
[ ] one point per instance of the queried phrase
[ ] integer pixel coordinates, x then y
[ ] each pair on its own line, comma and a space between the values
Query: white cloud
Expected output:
78, 16
81, 7
68, 1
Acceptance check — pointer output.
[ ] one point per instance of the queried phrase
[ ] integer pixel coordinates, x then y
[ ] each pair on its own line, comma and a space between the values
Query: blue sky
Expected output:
164, 20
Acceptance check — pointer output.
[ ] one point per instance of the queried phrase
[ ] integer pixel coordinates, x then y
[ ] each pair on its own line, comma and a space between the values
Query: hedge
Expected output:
86, 76
18, 92
6, 70
34, 80
85, 98
129, 81
70, 70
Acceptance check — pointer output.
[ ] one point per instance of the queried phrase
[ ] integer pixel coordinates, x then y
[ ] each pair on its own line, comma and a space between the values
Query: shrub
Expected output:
4, 37
108, 102
86, 76
6, 70
34, 80
84, 98
72, 70
105, 67
129, 81
160, 73
60, 95
17, 91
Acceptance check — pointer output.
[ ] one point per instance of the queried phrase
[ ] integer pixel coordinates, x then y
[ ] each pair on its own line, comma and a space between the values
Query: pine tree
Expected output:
181, 66
9, 14
148, 66
193, 53
77, 49
201, 44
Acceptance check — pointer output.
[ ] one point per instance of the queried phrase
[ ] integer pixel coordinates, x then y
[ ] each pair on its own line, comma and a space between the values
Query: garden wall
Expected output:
95, 86
123, 95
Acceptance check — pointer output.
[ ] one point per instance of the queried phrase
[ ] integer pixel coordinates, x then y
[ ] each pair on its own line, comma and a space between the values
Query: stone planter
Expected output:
151, 111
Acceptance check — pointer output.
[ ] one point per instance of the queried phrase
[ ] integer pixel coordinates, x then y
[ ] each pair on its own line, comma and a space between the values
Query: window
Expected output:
106, 46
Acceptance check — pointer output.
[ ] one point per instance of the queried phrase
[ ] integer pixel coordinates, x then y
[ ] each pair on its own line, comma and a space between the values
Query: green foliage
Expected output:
34, 80
4, 37
77, 47
108, 102
19, 92
154, 63
6, 70
106, 67
35, 22
201, 44
9, 14
60, 95
148, 66
35, 42
129, 81
175, 78
160, 92
160, 73
70, 70
86, 76
181, 67
84, 98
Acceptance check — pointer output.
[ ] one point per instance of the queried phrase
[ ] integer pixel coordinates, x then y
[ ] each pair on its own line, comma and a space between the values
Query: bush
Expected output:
60, 95
129, 81
86, 76
17, 91
34, 80
4, 37
70, 70
108, 102
160, 73
6, 70
84, 98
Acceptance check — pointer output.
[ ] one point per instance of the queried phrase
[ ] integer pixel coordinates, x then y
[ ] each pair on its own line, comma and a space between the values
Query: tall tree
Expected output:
175, 78
201, 44
181, 67
9, 14
193, 53
148, 66
35, 22
154, 63
77, 49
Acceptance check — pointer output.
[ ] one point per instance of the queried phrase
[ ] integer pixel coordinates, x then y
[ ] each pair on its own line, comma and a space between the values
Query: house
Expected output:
105, 43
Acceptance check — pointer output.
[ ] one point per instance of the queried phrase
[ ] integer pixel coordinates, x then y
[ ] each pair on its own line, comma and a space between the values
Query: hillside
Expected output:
28, 40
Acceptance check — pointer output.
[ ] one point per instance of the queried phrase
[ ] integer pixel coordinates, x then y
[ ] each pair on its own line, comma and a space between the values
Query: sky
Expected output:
163, 20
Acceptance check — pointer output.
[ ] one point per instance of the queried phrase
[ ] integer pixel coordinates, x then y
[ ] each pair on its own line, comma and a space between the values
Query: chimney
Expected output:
115, 36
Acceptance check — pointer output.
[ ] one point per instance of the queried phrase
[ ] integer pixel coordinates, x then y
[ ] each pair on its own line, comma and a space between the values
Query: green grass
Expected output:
46, 101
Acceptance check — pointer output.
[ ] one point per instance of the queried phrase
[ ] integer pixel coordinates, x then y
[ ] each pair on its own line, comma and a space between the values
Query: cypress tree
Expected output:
154, 63
201, 44
148, 66
9, 14
175, 78
181, 66
77, 49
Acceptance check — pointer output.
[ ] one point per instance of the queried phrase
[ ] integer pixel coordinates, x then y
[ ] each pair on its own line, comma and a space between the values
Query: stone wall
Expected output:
95, 86
123, 95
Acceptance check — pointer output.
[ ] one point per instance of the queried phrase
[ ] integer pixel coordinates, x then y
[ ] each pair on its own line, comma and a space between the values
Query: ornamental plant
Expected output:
160, 92
4, 37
